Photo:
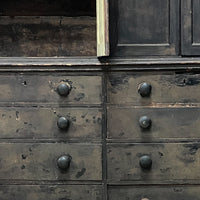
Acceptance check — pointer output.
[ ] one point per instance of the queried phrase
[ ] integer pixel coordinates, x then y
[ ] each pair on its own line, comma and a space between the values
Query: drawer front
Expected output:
169, 162
41, 88
154, 192
39, 161
51, 192
84, 123
166, 123
165, 88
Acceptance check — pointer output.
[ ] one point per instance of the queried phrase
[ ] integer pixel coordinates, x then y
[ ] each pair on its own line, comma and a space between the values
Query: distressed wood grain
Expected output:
154, 192
47, 36
167, 123
43, 88
166, 88
170, 162
40, 123
51, 192
26, 161
144, 28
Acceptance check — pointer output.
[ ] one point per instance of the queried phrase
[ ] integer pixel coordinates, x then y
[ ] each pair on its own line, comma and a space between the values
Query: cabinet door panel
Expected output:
190, 27
140, 27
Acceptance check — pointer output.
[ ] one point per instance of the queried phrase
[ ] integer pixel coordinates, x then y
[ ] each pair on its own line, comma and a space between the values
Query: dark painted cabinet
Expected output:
190, 27
155, 28
144, 27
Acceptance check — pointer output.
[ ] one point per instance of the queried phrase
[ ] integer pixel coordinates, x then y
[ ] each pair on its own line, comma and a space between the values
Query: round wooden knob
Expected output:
145, 162
63, 123
144, 89
63, 89
145, 122
63, 162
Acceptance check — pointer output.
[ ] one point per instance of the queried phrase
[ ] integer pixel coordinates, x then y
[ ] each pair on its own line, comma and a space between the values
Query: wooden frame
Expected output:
189, 31
129, 48
102, 28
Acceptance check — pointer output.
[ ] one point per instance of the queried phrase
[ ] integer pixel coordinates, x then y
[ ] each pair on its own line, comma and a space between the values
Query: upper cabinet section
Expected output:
144, 27
49, 28
190, 27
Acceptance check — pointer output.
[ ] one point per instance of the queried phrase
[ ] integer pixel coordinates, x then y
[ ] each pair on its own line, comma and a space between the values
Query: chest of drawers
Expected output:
51, 136
104, 139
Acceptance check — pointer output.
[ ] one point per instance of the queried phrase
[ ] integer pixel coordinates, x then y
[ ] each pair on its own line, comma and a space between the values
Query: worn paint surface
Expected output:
154, 192
50, 36
34, 123
166, 88
51, 192
144, 28
171, 161
167, 123
43, 89
23, 161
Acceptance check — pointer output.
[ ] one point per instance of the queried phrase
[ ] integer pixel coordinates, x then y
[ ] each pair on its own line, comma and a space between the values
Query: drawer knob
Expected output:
145, 162
144, 89
63, 162
63, 89
63, 123
145, 122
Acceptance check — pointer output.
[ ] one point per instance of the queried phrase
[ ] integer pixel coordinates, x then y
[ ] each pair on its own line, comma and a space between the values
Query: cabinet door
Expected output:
144, 27
190, 27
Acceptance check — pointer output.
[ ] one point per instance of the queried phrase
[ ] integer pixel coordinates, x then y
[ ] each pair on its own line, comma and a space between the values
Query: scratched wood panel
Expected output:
167, 123
154, 192
47, 8
190, 27
47, 36
144, 28
43, 88
23, 161
170, 162
51, 192
166, 88
29, 123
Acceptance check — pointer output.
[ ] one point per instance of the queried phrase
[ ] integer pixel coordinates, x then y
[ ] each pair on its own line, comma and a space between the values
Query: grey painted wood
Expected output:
154, 192
34, 123
166, 88
170, 162
43, 88
23, 161
47, 36
145, 28
167, 123
51, 192
190, 27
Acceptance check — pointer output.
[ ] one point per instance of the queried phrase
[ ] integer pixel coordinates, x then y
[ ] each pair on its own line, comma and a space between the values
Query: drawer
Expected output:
51, 192
160, 123
165, 88
44, 88
154, 192
29, 123
23, 161
170, 162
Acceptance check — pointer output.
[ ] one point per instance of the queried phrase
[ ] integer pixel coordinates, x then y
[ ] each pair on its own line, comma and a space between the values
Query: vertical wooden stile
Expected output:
102, 28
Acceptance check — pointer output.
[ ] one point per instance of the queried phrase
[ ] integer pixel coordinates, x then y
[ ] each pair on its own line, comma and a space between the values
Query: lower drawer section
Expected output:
40, 161
51, 192
153, 162
154, 192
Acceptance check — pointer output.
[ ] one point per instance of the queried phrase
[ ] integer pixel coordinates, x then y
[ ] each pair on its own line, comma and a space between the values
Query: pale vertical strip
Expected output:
102, 28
